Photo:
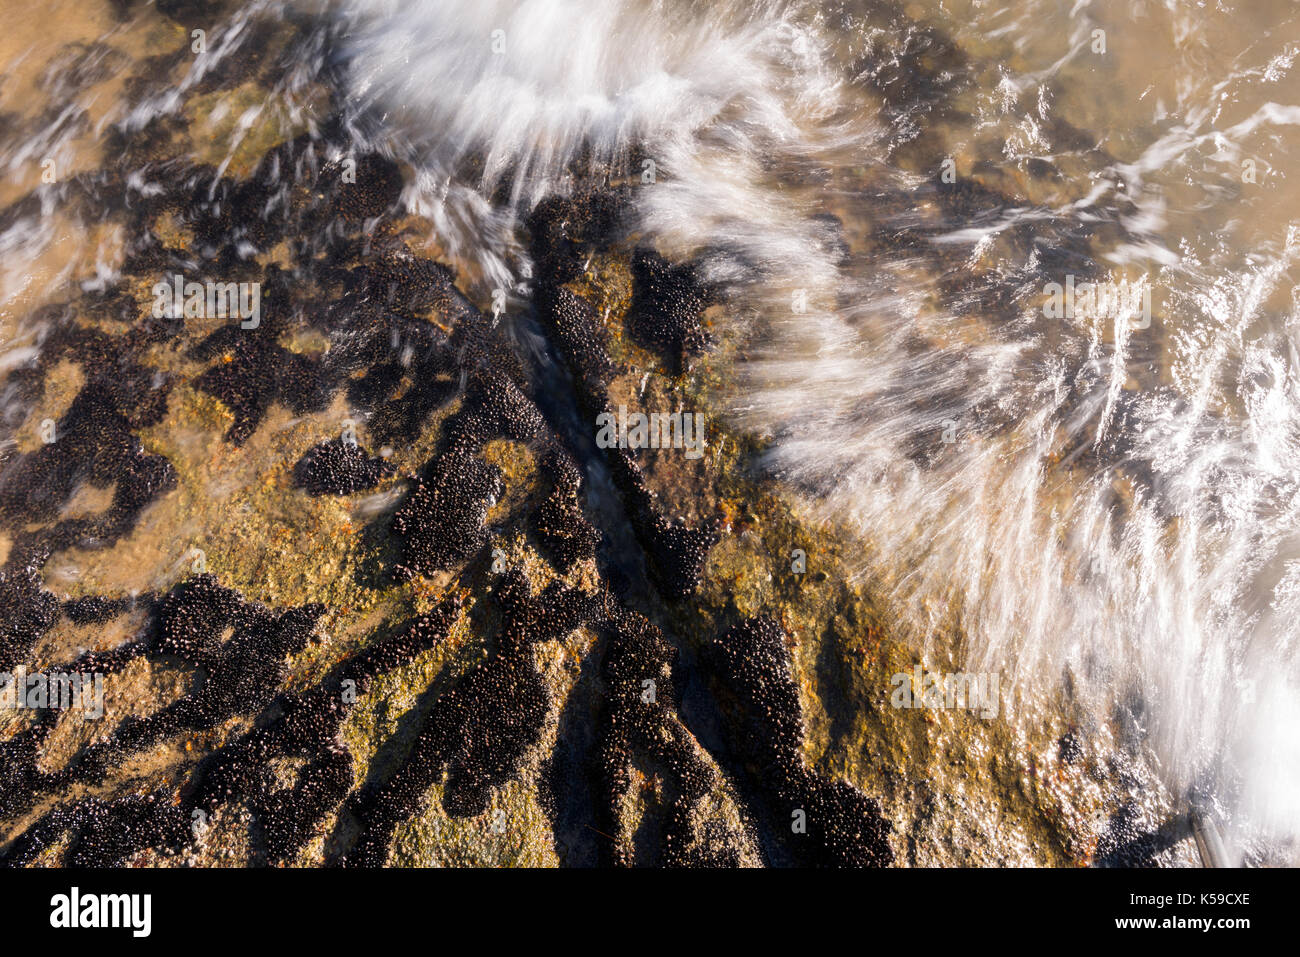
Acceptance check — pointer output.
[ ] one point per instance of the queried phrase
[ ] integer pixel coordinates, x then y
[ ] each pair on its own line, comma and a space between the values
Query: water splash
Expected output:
1117, 506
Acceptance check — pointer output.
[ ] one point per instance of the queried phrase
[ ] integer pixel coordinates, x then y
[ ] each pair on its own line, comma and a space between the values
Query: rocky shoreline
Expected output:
366, 591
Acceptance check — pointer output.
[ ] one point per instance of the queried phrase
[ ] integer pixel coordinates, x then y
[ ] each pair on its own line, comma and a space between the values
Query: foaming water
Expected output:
1089, 499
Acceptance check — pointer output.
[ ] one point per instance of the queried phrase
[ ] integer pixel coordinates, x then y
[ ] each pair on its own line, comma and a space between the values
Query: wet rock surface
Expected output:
521, 650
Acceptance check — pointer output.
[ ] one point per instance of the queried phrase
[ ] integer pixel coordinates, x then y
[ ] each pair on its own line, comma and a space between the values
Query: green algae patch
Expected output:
513, 832
381, 727
236, 127
519, 474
